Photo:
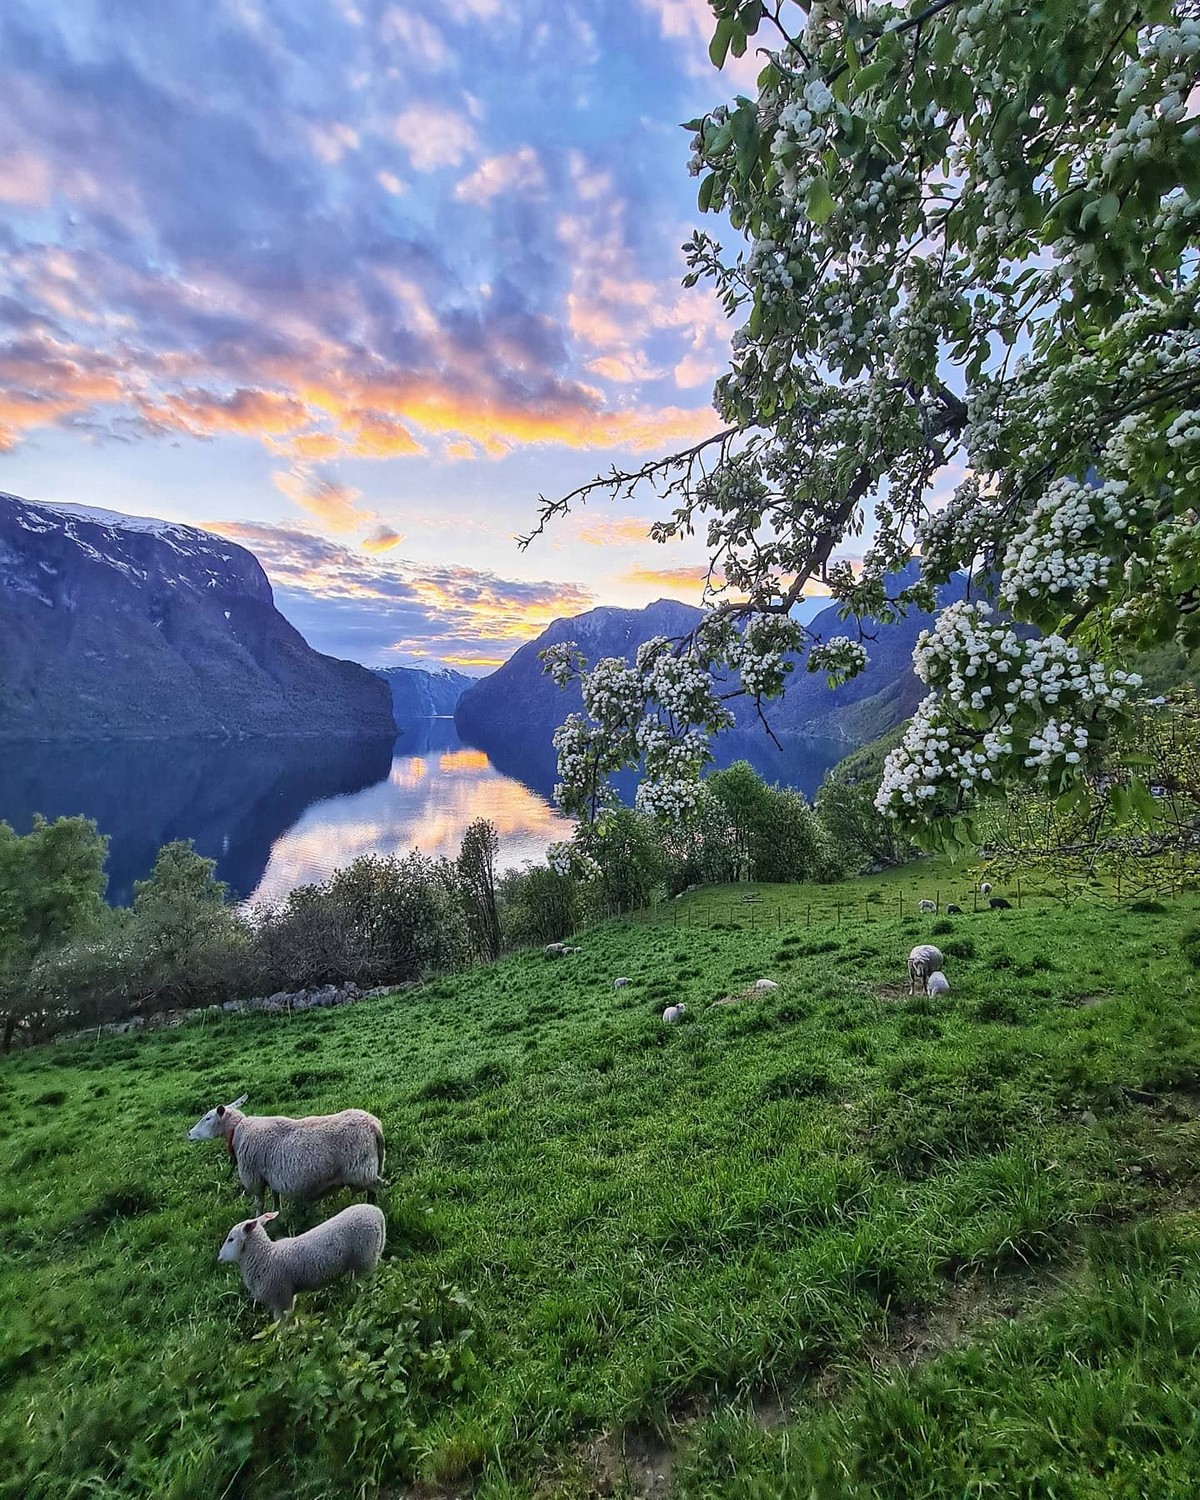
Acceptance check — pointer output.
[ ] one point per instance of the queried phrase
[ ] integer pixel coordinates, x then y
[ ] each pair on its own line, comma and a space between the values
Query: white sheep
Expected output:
619, 984
985, 888
765, 984
674, 1013
304, 1158
937, 984
273, 1271
927, 906
922, 962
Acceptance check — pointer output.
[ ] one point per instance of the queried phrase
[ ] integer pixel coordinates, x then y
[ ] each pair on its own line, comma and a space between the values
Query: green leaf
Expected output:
866, 78
1108, 208
718, 48
1143, 803
943, 45
1062, 174
819, 204
704, 197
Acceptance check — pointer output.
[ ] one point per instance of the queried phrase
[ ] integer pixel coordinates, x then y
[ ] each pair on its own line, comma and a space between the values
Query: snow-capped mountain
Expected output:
115, 626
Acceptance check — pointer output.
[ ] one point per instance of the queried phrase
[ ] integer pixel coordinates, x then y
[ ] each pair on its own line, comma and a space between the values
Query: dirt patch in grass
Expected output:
892, 994
636, 1464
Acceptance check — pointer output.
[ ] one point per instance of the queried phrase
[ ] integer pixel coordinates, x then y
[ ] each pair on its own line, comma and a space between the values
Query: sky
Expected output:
353, 283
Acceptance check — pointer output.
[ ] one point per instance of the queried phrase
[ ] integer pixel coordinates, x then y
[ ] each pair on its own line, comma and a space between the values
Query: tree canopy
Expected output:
965, 293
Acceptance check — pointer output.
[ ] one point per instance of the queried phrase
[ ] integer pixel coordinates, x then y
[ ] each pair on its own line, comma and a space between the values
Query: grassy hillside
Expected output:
830, 1241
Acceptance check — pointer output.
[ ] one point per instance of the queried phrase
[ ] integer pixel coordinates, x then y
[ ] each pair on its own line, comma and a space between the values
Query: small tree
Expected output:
188, 943
477, 871
52, 885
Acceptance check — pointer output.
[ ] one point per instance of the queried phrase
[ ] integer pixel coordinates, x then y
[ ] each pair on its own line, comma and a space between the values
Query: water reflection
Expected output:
435, 787
279, 813
275, 813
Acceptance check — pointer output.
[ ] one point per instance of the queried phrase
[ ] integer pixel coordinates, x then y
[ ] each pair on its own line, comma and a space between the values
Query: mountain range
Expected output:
513, 713
418, 694
120, 627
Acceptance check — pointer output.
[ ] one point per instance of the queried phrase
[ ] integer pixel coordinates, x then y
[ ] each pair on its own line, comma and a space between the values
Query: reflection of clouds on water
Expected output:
424, 803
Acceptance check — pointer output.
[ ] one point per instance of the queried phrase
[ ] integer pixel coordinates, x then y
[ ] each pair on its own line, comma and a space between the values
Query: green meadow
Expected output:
823, 1241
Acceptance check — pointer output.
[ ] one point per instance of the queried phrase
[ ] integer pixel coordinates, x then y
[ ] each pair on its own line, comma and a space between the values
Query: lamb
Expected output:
273, 1271
985, 888
927, 906
998, 903
674, 1013
922, 962
619, 984
953, 910
304, 1158
937, 984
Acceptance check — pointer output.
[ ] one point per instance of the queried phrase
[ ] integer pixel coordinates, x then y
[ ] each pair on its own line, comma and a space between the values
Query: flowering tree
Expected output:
967, 253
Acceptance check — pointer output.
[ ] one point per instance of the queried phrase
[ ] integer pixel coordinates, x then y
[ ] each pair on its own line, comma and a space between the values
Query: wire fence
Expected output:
756, 913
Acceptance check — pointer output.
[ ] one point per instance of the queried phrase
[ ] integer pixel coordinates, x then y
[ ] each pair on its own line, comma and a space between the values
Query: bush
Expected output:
1190, 944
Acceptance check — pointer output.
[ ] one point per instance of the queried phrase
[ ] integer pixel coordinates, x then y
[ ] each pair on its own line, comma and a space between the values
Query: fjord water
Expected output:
276, 813
279, 813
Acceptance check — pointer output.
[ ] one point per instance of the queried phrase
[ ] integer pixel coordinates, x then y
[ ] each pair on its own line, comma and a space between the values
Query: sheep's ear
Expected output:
220, 1110
248, 1226
238, 1102
266, 1218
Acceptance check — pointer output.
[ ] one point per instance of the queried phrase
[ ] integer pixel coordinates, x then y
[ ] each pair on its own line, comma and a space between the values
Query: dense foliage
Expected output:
968, 261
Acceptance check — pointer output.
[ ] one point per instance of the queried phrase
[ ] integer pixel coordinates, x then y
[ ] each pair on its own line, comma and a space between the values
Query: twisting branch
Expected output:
619, 480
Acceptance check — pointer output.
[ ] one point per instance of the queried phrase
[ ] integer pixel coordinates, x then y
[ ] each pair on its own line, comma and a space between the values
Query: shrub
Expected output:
1190, 944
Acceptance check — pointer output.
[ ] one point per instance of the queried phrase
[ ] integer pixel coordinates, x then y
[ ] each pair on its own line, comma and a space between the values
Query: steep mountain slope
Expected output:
122, 627
513, 713
417, 694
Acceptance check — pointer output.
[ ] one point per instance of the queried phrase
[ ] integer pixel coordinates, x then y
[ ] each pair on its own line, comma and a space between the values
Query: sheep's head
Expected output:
217, 1123
235, 1240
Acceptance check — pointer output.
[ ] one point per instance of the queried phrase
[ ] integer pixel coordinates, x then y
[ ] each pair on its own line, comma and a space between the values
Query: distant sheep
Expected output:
952, 910
927, 906
674, 1013
765, 984
937, 984
619, 984
985, 888
998, 903
273, 1271
304, 1158
922, 962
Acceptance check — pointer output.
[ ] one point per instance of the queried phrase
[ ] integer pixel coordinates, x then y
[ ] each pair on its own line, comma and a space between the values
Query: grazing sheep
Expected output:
674, 1013
304, 1158
952, 910
998, 903
927, 906
985, 888
619, 984
922, 962
273, 1271
765, 984
937, 984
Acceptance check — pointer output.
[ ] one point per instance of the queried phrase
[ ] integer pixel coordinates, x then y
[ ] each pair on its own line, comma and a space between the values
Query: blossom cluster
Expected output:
1055, 553
840, 657
1004, 705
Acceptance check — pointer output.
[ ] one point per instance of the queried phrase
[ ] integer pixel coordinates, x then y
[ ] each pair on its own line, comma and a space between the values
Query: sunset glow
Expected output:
353, 286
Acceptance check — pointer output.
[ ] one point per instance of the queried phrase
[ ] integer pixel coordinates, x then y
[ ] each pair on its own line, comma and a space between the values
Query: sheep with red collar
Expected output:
304, 1158
273, 1271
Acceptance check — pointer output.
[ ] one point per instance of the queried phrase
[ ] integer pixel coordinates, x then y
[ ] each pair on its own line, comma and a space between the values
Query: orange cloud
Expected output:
382, 539
331, 503
611, 531
254, 412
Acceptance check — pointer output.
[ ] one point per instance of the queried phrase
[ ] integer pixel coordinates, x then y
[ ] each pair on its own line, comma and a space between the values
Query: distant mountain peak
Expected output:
126, 627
